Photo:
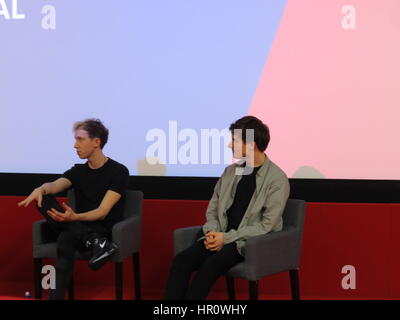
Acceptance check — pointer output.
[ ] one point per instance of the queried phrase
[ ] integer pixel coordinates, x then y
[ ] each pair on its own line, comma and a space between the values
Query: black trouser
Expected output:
72, 237
210, 265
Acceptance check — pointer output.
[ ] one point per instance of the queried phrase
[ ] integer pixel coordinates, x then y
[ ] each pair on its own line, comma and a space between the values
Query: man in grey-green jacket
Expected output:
248, 200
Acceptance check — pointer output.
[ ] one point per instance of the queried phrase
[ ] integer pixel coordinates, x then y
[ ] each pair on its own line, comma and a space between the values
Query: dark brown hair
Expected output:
95, 128
261, 130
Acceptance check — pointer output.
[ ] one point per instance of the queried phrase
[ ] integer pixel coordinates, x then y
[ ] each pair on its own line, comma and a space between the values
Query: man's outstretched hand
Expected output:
68, 216
36, 195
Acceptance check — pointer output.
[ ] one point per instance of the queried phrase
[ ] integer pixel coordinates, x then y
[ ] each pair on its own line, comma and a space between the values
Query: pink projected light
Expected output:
330, 95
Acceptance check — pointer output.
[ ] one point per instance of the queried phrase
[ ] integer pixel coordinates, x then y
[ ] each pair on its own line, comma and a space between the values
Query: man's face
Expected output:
238, 147
84, 145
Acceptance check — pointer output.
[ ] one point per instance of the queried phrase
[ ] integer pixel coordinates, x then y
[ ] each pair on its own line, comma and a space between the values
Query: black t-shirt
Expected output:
243, 195
91, 185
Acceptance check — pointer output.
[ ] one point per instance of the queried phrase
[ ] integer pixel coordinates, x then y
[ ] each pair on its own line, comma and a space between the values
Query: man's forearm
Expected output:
55, 187
92, 215
47, 188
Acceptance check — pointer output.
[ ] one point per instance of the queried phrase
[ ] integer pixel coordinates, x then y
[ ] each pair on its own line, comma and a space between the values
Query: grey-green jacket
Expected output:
264, 213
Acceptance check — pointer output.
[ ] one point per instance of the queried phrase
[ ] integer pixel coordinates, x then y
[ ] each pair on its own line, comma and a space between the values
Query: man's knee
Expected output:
48, 202
47, 197
45, 200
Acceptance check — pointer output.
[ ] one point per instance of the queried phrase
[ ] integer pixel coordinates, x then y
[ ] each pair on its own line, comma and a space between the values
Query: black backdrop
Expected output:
201, 188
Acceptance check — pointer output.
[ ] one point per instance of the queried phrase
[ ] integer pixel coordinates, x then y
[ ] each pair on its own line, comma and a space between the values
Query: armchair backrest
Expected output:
293, 218
293, 215
133, 204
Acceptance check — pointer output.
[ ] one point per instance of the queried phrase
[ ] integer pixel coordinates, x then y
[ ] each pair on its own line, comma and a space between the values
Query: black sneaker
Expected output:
103, 250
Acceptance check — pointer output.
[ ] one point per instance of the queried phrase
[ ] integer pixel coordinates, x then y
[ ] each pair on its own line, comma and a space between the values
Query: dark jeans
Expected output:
72, 237
210, 265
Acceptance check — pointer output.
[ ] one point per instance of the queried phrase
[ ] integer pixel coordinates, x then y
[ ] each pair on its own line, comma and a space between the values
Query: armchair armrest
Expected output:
126, 235
272, 253
184, 237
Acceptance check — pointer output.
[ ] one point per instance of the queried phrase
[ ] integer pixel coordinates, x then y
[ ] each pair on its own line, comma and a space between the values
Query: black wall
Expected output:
201, 188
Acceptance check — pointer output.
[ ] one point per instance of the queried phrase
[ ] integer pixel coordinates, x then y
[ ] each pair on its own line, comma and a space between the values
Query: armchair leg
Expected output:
37, 271
136, 274
294, 284
71, 290
230, 284
118, 280
253, 290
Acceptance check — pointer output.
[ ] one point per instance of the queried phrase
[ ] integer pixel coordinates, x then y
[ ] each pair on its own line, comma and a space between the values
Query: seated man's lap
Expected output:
227, 257
197, 256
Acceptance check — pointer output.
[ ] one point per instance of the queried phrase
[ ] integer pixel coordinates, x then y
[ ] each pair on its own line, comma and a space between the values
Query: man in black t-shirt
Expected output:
100, 185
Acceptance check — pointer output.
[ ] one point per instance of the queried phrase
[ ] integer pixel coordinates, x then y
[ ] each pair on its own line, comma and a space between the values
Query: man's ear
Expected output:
97, 141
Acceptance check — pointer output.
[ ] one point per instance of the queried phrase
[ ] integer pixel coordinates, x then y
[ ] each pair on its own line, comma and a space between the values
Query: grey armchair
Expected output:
126, 234
266, 254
